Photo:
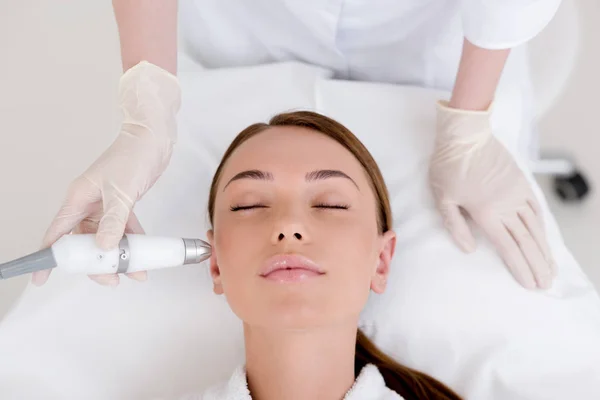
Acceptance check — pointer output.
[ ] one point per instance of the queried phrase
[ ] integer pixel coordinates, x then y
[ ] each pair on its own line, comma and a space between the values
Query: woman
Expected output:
458, 45
301, 232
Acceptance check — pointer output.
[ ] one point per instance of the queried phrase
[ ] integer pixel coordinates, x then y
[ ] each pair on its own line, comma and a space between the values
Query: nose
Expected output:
295, 235
289, 232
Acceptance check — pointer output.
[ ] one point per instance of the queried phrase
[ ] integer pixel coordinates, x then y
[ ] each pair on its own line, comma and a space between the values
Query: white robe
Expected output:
368, 386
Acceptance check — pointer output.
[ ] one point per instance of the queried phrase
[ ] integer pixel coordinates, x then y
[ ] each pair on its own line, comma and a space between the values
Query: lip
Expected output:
286, 268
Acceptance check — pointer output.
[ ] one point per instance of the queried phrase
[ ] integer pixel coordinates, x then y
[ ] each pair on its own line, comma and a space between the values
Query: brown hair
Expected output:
410, 384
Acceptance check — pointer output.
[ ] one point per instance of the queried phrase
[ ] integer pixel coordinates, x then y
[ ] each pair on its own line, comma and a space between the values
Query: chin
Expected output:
294, 311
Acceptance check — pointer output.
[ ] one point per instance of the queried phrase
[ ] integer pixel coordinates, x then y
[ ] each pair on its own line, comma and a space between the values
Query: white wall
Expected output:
59, 73
572, 127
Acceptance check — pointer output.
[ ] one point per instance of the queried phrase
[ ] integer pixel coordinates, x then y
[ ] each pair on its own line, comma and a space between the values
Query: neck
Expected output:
313, 364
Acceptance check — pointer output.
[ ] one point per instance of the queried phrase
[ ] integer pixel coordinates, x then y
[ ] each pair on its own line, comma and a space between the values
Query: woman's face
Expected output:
295, 240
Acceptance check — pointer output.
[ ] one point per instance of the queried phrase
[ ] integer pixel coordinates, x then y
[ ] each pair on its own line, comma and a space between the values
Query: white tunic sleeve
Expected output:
503, 24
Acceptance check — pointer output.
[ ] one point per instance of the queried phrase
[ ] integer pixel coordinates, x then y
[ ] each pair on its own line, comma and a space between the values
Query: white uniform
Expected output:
410, 42
415, 42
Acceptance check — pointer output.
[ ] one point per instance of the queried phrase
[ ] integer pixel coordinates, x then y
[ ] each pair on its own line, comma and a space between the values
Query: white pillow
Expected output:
460, 318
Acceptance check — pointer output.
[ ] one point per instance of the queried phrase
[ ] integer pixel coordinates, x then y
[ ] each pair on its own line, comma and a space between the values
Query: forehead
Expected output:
283, 150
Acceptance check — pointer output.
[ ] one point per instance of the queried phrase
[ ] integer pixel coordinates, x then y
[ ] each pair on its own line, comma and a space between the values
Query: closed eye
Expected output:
332, 206
320, 205
248, 207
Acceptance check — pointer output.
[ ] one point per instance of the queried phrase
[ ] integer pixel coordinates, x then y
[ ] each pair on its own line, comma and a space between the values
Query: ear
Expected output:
386, 252
215, 273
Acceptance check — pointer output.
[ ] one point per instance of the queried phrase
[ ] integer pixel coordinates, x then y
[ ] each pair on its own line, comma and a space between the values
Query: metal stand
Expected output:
570, 185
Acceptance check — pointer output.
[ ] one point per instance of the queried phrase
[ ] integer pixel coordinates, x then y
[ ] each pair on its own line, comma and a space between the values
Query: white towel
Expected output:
368, 386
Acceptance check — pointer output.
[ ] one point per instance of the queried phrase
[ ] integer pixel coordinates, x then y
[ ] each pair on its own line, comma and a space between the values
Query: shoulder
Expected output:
370, 385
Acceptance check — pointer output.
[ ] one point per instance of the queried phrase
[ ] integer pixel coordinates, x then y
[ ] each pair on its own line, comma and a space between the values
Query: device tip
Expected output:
196, 251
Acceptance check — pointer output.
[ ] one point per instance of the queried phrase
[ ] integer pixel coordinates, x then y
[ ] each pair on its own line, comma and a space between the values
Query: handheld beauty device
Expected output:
80, 254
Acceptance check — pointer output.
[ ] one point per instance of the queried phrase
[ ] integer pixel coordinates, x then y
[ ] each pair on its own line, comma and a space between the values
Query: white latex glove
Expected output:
472, 172
102, 198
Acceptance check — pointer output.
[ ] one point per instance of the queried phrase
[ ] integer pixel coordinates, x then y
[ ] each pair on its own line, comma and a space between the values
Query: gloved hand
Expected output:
102, 198
471, 171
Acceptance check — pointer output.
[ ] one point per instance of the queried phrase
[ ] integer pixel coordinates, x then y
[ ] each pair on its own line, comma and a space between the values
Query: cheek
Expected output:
231, 247
351, 248
233, 235
237, 246
352, 257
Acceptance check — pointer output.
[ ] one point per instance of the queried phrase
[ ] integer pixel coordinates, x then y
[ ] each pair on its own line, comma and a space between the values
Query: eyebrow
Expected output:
251, 174
326, 174
320, 174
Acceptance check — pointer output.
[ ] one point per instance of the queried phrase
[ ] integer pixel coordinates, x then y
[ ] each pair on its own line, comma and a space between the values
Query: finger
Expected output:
531, 251
86, 226
140, 276
67, 218
537, 231
535, 207
112, 225
71, 213
456, 224
38, 278
111, 280
80, 196
133, 225
509, 251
